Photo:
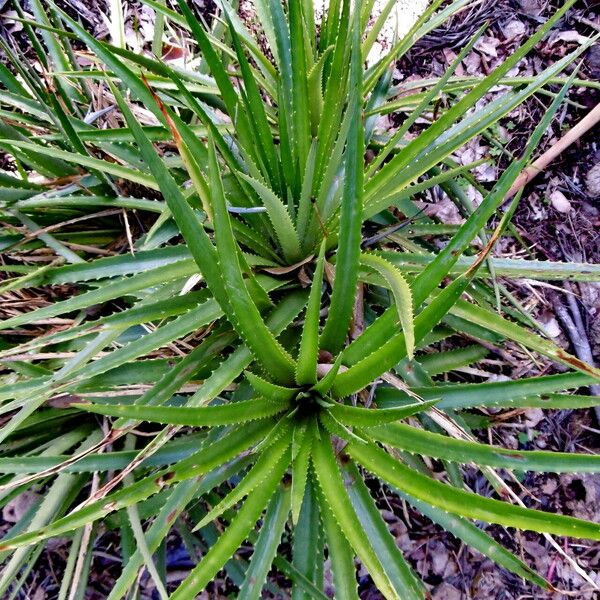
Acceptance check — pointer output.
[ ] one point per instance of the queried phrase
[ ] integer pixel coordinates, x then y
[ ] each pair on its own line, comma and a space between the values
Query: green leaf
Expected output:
192, 230
467, 504
276, 393
471, 535
206, 416
506, 267
231, 539
394, 349
255, 107
267, 461
440, 446
497, 393
177, 500
171, 452
406, 583
228, 93
307, 549
372, 417
326, 383
301, 107
341, 557
306, 366
197, 464
97, 164
402, 296
245, 314
302, 439
449, 360
517, 333
280, 218
336, 497
344, 286
265, 547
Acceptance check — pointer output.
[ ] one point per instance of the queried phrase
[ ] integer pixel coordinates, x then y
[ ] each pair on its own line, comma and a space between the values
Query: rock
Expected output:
549, 486
551, 326
560, 202
531, 7
592, 60
488, 45
445, 591
439, 557
514, 29
592, 181
533, 416
16, 508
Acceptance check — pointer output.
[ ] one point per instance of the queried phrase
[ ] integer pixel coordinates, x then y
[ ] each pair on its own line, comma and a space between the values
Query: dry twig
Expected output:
555, 150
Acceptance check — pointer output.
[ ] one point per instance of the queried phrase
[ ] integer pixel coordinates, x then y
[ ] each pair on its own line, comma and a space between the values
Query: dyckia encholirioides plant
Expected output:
260, 260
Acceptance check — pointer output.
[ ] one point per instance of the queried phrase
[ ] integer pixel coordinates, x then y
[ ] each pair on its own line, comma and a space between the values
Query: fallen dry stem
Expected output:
591, 119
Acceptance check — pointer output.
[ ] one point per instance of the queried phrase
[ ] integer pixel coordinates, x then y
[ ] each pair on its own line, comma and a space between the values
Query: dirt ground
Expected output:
559, 218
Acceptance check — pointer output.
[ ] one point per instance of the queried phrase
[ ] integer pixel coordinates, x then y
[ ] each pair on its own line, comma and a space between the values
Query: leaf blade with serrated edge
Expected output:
232, 538
269, 390
346, 279
197, 464
408, 586
193, 232
246, 317
498, 393
457, 110
205, 416
474, 537
372, 417
402, 296
464, 503
307, 546
265, 547
432, 444
255, 107
433, 274
306, 364
266, 462
300, 462
382, 359
280, 219
331, 484
341, 556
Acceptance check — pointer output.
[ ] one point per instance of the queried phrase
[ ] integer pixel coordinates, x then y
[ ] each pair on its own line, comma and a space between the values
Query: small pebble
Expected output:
592, 181
559, 202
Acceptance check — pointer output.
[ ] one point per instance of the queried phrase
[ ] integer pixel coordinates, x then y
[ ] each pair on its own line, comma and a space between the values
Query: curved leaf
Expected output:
467, 504
266, 462
280, 218
205, 416
373, 417
306, 365
265, 546
272, 391
246, 317
328, 475
344, 286
408, 586
402, 296
231, 539
427, 443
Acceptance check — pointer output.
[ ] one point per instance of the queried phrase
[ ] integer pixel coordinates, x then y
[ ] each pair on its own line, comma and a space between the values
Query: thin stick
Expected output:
591, 119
